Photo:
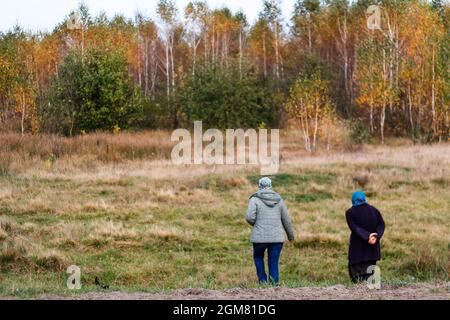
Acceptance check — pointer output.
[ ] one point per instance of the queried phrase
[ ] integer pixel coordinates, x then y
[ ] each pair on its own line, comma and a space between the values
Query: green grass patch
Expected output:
312, 197
288, 179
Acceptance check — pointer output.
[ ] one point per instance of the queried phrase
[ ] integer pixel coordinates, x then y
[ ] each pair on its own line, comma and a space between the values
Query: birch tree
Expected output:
309, 103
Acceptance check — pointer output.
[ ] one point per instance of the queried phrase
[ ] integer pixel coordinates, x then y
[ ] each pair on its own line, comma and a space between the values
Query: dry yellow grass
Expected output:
143, 223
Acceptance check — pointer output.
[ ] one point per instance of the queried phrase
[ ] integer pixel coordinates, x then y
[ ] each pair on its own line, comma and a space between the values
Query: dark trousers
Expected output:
358, 271
273, 252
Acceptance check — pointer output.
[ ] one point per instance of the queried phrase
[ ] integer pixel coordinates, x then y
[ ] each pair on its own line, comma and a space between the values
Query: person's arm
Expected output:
251, 212
380, 225
360, 232
286, 220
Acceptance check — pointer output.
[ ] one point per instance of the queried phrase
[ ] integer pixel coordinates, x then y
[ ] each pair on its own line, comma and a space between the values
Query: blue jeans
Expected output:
273, 252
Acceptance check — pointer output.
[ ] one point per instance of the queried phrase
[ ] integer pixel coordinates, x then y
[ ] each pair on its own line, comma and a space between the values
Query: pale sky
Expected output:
43, 15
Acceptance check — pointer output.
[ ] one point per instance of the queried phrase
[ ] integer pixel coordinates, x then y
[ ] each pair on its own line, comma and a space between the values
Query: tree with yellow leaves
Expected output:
309, 104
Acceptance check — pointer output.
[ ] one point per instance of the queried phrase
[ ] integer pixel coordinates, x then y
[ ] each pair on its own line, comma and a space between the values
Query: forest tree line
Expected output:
319, 66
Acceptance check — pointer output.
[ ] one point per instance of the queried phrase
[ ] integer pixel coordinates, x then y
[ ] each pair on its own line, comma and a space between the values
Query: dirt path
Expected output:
411, 292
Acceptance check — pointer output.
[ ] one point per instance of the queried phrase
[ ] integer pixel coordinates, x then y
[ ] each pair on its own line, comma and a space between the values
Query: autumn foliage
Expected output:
200, 63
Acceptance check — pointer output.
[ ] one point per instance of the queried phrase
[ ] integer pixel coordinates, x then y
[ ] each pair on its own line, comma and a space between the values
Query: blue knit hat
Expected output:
265, 183
358, 198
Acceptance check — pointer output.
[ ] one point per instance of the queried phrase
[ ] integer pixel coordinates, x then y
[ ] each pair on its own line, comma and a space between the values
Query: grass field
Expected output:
115, 207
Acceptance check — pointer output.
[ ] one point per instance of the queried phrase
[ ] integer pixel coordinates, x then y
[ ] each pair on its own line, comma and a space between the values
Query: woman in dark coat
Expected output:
367, 228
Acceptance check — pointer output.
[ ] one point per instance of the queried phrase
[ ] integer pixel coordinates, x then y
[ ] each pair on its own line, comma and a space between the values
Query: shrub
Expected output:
93, 91
360, 133
222, 100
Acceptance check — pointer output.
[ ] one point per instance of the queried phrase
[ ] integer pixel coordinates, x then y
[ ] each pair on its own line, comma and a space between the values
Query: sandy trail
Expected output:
422, 291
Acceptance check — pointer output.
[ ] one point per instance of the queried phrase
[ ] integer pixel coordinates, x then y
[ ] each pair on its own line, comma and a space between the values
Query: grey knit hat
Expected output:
265, 183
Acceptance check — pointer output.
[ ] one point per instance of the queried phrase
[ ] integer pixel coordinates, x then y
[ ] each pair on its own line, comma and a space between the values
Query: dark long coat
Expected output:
362, 221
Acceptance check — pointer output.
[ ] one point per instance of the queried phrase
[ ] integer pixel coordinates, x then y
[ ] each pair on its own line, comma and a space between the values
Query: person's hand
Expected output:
373, 238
